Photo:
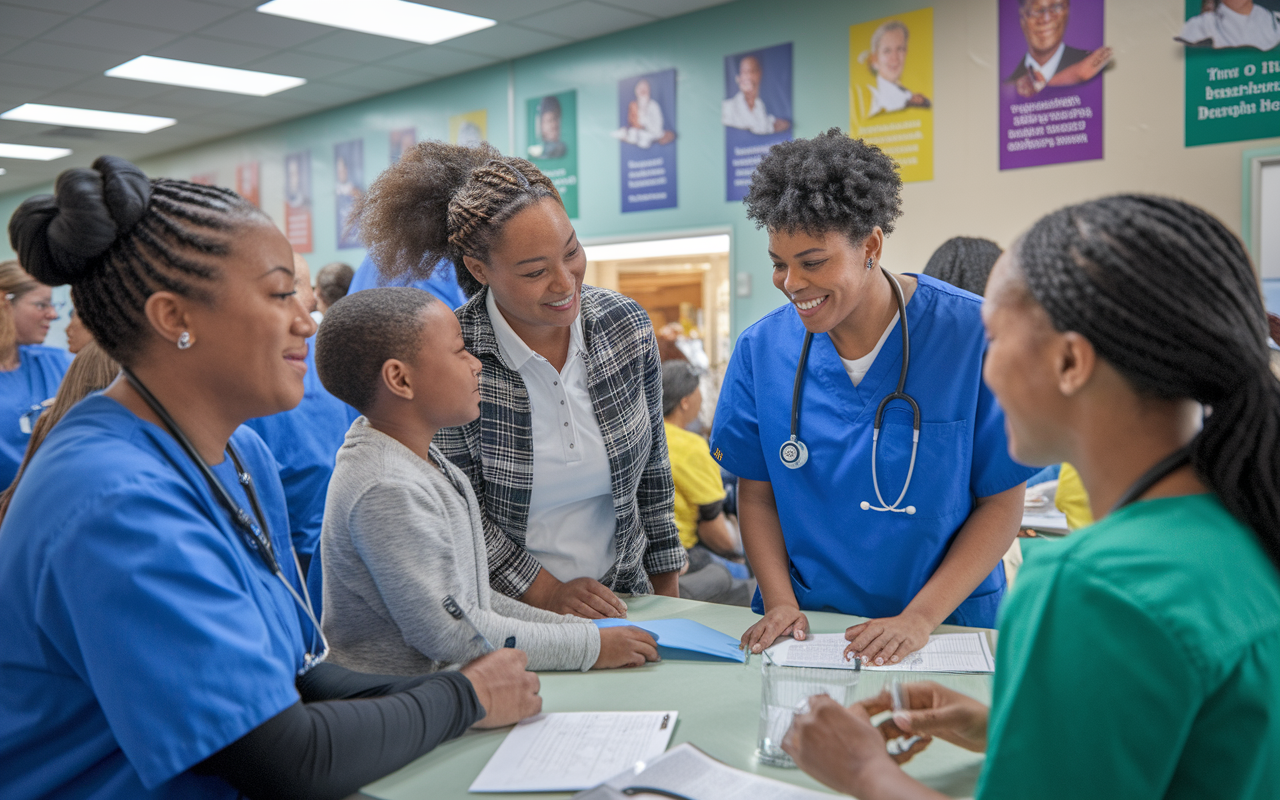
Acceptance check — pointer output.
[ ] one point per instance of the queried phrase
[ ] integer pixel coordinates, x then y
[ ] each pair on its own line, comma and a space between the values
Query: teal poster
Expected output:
553, 143
1233, 70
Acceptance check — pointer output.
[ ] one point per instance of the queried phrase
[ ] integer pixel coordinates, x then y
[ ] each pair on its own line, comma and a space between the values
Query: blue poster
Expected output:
647, 133
756, 112
348, 181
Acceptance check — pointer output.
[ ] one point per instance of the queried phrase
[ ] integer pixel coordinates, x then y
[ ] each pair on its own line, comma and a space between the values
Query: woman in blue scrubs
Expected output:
29, 371
157, 639
843, 530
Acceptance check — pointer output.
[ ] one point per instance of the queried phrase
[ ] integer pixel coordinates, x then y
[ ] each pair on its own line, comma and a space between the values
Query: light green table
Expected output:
719, 705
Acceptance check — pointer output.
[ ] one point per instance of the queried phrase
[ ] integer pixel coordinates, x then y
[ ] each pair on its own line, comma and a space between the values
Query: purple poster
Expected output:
647, 133
755, 112
1051, 59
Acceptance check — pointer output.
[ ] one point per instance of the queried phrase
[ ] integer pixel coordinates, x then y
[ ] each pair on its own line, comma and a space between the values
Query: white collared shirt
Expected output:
1259, 28
572, 527
1050, 67
735, 113
887, 96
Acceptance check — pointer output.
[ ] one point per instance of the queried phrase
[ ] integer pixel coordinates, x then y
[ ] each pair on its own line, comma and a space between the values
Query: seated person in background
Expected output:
1071, 498
699, 496
402, 530
332, 282
964, 261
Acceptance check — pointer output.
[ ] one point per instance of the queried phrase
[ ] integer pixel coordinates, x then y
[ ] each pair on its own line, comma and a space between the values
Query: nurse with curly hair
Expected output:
850, 500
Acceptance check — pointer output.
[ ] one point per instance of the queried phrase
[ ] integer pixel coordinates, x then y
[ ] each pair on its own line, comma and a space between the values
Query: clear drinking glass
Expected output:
782, 690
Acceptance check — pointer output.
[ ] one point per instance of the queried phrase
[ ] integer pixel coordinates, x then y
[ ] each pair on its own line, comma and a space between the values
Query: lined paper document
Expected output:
688, 772
575, 750
945, 652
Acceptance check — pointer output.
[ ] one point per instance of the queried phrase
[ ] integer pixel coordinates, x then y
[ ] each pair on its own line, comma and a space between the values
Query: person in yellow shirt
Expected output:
1071, 498
700, 495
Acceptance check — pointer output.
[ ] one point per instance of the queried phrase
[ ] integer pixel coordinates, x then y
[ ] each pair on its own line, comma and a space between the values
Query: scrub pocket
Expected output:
944, 462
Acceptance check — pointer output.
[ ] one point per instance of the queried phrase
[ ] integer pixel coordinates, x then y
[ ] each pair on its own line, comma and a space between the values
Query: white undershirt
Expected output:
572, 530
858, 367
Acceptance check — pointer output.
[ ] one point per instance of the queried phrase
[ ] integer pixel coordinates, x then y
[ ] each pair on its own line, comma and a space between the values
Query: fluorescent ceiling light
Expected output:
396, 19
2, 170
203, 76
32, 153
87, 118
659, 248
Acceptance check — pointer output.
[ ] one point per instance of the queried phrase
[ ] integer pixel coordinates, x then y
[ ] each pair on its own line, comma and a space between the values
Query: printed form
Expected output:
945, 652
574, 750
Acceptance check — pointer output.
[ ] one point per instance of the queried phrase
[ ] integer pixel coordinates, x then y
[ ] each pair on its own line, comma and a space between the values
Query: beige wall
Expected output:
1143, 100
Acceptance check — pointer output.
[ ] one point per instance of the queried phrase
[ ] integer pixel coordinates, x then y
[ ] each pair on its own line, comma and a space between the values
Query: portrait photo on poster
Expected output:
1052, 58
470, 128
348, 186
400, 141
297, 200
1232, 70
756, 112
248, 183
646, 134
553, 143
891, 89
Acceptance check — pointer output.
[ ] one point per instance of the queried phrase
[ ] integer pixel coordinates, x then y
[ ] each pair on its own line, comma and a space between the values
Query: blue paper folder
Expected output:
684, 639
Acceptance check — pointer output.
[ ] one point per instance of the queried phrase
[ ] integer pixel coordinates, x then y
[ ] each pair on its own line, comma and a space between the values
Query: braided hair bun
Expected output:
60, 237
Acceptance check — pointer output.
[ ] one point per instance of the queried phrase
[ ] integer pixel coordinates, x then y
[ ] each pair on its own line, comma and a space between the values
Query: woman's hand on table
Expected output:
888, 640
933, 710
776, 622
625, 647
581, 597
841, 748
506, 690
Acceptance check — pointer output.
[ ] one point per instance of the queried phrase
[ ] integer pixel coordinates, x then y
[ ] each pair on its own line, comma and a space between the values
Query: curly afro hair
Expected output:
827, 183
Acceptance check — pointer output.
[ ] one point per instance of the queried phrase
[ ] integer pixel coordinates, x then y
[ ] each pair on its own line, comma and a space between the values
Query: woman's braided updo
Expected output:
443, 201
118, 237
1166, 295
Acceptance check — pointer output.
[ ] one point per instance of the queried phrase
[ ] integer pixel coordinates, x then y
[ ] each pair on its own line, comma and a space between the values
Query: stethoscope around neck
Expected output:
795, 454
253, 530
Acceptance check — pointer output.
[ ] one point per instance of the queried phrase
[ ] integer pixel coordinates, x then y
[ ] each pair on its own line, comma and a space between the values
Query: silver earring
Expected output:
184, 341
871, 262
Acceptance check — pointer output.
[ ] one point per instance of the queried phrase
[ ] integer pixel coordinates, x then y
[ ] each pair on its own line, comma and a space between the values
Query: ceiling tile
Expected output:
60, 6
506, 41
11, 96
77, 99
300, 65
164, 107
356, 46
28, 23
112, 36
201, 98
278, 33
181, 16
378, 79
324, 94
47, 54
501, 10
7, 43
665, 8
213, 51
437, 60
42, 77
121, 87
584, 19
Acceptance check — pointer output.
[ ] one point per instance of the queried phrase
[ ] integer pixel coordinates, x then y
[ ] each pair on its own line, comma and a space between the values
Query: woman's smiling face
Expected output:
824, 275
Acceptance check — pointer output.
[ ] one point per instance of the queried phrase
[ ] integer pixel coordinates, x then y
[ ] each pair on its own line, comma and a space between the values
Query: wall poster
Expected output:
470, 128
891, 89
553, 143
1051, 59
401, 140
248, 184
348, 185
647, 136
1233, 71
756, 112
297, 200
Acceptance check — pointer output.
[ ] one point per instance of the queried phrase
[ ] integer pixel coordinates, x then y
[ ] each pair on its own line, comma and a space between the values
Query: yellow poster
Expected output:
469, 128
891, 89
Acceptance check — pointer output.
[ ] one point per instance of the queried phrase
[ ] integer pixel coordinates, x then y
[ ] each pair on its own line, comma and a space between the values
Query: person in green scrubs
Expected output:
1139, 657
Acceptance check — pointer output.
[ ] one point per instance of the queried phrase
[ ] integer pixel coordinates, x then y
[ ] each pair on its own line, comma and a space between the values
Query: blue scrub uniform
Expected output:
305, 441
871, 563
443, 282
36, 379
140, 634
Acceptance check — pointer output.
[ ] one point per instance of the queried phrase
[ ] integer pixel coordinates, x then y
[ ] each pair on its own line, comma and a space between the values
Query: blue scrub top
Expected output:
871, 563
36, 379
305, 441
443, 282
140, 634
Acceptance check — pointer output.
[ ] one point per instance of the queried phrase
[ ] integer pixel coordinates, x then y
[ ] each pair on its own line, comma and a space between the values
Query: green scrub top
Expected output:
1140, 658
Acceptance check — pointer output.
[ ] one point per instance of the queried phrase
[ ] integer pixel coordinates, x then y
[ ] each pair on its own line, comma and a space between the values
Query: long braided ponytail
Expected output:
441, 202
1166, 294
118, 237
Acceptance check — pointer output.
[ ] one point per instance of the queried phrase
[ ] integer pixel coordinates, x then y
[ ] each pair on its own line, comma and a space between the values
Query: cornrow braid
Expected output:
1166, 294
442, 202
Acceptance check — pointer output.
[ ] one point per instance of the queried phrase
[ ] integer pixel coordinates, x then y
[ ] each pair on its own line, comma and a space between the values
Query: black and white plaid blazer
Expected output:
624, 380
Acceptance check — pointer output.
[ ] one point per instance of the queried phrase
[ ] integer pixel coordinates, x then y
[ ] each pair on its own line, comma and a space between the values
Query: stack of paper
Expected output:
686, 771
945, 652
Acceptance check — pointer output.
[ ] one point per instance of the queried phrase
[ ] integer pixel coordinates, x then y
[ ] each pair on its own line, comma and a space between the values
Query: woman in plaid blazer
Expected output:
571, 374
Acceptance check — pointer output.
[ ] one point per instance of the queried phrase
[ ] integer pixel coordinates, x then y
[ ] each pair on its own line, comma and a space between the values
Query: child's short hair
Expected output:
679, 380
360, 332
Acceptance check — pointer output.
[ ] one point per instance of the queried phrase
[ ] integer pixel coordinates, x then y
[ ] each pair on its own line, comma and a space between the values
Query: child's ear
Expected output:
395, 376
477, 269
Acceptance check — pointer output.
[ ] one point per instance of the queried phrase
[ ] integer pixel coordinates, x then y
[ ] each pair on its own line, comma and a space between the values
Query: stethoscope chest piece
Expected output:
793, 453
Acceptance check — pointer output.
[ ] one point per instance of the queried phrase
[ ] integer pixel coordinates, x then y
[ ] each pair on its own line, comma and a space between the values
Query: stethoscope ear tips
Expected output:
866, 506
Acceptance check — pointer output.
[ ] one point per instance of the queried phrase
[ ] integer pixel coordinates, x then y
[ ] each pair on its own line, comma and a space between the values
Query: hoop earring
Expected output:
871, 262
185, 341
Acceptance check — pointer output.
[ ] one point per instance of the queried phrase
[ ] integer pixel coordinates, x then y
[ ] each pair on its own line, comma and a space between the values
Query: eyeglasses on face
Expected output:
1051, 11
